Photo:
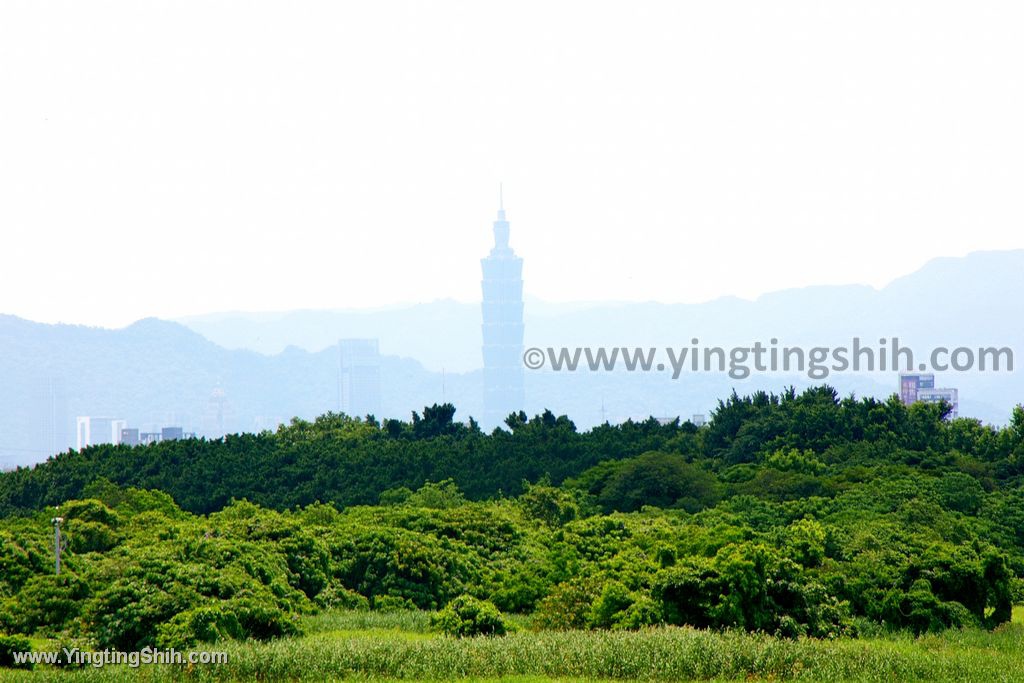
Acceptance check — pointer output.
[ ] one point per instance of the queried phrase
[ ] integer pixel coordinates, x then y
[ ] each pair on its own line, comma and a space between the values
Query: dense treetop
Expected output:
776, 446
795, 514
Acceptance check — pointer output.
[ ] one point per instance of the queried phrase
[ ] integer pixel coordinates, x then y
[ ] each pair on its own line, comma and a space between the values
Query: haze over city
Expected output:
348, 156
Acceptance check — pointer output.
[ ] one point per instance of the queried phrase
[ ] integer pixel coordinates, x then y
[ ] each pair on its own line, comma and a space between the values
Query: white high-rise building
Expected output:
92, 431
502, 328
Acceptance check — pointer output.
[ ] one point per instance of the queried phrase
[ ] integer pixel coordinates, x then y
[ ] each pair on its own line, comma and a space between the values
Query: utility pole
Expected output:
58, 543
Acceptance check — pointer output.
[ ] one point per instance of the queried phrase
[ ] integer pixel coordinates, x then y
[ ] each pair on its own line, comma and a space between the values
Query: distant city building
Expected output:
146, 438
166, 434
130, 437
51, 422
920, 388
172, 433
940, 394
218, 418
699, 420
502, 327
912, 383
359, 377
93, 431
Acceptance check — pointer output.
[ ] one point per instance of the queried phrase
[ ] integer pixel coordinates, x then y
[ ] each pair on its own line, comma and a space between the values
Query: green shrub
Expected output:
308, 562
960, 492
921, 611
619, 608
467, 616
90, 510
805, 542
90, 537
19, 560
48, 602
659, 479
336, 596
397, 496
551, 505
11, 644
263, 620
126, 614
231, 619
643, 612
567, 607
606, 610
442, 495
751, 587
392, 603
90, 526
207, 624
387, 562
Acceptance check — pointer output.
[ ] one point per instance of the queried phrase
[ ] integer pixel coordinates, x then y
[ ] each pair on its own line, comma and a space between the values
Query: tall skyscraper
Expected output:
502, 326
359, 379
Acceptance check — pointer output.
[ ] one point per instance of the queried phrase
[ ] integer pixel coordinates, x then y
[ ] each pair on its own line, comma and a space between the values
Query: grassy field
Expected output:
399, 645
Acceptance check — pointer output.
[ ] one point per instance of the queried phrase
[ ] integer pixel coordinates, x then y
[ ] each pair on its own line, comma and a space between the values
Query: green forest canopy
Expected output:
792, 514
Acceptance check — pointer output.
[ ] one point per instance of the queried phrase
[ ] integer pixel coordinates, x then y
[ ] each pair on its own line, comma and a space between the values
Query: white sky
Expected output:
174, 158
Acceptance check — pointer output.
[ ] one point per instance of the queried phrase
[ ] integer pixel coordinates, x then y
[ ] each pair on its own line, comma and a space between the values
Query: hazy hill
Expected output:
156, 373
972, 301
950, 301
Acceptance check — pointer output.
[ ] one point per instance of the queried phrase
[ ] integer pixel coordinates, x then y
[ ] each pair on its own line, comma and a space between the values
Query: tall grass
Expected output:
411, 621
406, 621
677, 654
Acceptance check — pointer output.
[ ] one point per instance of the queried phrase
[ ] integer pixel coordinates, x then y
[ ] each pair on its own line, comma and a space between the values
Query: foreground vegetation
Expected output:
399, 646
794, 536
141, 572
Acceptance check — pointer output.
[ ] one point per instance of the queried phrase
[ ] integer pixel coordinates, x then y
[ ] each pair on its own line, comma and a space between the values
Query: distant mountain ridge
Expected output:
948, 301
156, 373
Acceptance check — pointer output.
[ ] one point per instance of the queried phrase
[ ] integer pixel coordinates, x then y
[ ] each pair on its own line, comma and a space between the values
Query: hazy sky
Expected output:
173, 158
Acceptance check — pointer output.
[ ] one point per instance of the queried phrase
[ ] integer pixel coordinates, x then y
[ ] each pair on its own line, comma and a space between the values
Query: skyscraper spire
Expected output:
501, 225
502, 325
